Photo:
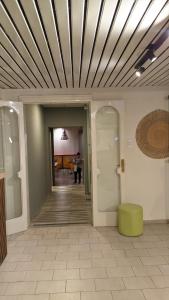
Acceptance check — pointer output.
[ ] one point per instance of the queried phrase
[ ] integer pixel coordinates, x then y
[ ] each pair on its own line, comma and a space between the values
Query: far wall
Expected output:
66, 147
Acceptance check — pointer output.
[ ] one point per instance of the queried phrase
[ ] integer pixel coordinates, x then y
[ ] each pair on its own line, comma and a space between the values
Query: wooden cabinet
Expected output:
3, 242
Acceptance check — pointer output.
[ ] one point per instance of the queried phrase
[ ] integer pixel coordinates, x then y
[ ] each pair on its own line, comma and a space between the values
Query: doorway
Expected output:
67, 133
65, 144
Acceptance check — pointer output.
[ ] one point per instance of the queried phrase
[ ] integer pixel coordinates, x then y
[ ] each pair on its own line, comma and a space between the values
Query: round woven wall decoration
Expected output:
152, 134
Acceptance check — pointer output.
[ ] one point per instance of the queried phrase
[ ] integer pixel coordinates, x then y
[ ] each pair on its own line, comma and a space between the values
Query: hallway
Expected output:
65, 205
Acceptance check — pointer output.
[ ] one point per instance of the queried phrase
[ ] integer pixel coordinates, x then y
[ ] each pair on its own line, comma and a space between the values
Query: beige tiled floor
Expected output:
85, 263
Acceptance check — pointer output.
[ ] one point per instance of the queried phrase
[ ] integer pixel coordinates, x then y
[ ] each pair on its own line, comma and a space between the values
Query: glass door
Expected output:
108, 161
12, 163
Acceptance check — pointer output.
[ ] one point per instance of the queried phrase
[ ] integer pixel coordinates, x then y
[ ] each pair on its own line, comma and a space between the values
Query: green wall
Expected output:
36, 147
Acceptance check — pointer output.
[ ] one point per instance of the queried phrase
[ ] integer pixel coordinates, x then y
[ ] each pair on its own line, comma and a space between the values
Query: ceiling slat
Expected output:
106, 20
3, 85
14, 66
165, 83
8, 83
24, 47
120, 19
7, 67
136, 14
9, 77
51, 31
33, 17
159, 72
63, 21
77, 21
92, 15
143, 36
18, 59
160, 78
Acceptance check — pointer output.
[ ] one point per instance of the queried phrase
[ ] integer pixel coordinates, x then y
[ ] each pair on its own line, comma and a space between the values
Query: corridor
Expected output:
65, 205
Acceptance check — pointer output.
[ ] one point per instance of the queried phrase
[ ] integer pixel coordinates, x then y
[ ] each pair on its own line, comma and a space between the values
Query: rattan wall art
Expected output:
152, 134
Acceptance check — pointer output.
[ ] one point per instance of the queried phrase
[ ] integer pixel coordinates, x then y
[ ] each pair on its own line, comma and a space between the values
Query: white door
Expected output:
108, 164
13, 164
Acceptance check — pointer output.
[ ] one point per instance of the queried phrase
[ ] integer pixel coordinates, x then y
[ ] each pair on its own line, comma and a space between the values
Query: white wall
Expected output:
146, 181
65, 147
145, 177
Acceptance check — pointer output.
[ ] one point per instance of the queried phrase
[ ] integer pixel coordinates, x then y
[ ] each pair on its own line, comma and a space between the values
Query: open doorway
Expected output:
66, 132
66, 143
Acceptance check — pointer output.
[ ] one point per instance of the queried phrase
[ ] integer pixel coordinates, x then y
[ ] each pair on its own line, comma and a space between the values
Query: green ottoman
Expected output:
130, 219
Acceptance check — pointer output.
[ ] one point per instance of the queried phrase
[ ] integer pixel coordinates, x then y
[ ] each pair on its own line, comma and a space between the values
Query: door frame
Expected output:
61, 99
106, 218
20, 223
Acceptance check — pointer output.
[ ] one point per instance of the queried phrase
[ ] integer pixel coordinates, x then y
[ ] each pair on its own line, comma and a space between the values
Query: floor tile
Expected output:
158, 251
156, 294
128, 295
128, 261
104, 262
43, 257
8, 267
18, 257
66, 274
65, 296
89, 255
138, 282
53, 265
12, 276
21, 288
96, 296
38, 275
161, 281
146, 270
137, 252
52, 287
109, 284
164, 269
28, 266
122, 245
154, 260
37, 249
80, 285
26, 297
93, 273
3, 287
72, 264
120, 272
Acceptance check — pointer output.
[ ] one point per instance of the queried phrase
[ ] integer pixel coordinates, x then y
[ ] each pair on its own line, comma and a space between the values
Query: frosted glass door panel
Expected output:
108, 158
10, 161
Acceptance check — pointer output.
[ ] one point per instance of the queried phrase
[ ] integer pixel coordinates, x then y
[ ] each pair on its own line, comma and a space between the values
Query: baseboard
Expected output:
156, 221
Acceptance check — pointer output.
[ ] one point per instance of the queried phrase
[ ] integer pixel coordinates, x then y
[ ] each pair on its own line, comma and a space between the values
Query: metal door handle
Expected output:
122, 164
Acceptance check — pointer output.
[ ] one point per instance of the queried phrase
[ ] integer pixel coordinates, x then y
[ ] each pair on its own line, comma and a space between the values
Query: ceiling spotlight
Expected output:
152, 57
140, 71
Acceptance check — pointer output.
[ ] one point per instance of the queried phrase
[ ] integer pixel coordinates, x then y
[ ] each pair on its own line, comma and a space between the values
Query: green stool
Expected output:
130, 219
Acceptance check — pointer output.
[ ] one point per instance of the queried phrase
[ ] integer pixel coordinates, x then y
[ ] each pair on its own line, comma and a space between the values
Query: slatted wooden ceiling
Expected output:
81, 43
